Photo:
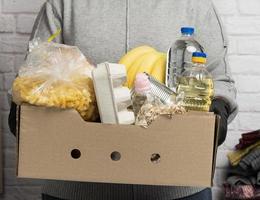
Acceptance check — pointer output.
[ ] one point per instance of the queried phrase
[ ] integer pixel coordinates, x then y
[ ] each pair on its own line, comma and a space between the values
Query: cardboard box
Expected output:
58, 144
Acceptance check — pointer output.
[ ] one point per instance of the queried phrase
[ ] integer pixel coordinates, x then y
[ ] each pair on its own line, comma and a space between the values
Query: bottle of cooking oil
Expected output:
197, 84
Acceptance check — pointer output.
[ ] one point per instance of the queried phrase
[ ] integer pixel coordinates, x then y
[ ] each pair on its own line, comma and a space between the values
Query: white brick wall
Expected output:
242, 20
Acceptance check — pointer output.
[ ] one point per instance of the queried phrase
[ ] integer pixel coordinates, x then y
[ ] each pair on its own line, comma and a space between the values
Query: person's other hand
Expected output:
221, 108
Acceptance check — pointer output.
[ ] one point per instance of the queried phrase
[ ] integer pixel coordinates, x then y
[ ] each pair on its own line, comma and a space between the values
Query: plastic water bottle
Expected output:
197, 85
142, 92
180, 55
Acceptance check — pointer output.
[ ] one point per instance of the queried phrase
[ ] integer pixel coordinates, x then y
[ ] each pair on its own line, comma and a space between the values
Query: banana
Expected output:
158, 71
133, 69
148, 68
134, 54
143, 64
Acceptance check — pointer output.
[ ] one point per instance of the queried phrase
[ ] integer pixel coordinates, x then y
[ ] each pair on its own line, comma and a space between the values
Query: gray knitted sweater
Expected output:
104, 30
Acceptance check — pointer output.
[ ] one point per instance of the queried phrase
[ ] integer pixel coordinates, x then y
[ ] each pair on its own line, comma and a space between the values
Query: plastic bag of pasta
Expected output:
56, 75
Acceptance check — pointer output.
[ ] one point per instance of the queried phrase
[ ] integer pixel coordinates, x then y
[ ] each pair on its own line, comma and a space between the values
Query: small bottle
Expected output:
142, 92
180, 55
197, 84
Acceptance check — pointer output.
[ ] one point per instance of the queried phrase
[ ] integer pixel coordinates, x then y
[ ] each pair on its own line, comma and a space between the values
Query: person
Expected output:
105, 30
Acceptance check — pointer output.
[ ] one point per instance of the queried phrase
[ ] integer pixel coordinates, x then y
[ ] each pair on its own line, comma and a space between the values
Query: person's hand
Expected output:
221, 108
12, 118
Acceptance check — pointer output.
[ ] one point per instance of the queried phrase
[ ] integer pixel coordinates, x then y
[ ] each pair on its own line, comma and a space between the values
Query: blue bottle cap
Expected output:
199, 55
187, 30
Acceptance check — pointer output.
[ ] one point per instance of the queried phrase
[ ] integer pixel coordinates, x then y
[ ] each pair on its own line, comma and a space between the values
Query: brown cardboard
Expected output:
217, 124
186, 144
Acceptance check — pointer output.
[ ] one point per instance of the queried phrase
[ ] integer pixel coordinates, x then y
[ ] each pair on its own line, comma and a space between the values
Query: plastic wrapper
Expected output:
151, 111
56, 75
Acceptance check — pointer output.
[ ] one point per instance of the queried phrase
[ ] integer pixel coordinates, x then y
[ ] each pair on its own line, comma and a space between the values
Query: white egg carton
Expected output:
113, 99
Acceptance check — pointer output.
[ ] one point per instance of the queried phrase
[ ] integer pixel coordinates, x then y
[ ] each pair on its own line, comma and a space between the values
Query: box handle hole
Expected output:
115, 156
75, 153
155, 158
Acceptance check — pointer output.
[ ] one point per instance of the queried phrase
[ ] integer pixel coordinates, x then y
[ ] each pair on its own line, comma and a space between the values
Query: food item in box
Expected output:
113, 99
142, 92
144, 59
151, 99
179, 56
135, 53
56, 75
197, 85
150, 112
165, 94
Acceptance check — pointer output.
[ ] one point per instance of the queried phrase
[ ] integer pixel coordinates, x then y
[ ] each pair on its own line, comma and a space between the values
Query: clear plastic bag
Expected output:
151, 111
56, 75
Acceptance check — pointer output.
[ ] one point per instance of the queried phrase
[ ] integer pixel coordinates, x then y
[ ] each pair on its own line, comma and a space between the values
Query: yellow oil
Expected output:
198, 93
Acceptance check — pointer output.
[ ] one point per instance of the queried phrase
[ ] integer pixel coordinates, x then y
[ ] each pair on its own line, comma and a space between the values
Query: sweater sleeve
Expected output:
212, 37
48, 21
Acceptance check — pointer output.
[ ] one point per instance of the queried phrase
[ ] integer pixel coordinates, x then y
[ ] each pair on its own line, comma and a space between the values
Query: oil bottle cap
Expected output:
187, 30
199, 57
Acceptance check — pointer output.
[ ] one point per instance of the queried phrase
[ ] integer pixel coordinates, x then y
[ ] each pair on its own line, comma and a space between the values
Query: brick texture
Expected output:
25, 23
242, 21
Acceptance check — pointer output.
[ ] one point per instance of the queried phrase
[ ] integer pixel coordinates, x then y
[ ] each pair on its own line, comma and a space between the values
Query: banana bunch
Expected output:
144, 59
